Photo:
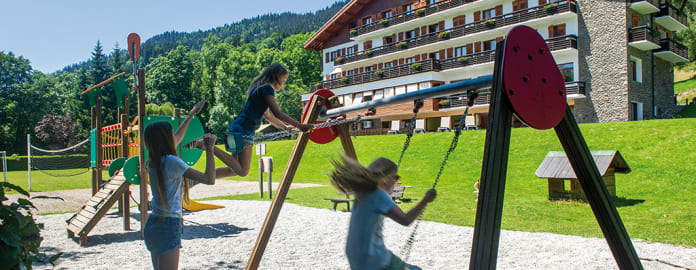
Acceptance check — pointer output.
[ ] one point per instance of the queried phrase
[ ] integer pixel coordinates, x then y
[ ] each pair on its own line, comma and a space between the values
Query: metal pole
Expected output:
433, 92
4, 165
29, 159
260, 177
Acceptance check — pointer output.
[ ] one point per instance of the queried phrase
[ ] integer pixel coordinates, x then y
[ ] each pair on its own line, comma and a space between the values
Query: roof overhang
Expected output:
338, 21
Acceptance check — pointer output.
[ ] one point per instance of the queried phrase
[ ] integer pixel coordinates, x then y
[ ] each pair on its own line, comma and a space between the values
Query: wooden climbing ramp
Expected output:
90, 213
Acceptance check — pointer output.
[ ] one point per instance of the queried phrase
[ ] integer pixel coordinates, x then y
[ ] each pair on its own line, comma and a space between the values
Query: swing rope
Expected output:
406, 248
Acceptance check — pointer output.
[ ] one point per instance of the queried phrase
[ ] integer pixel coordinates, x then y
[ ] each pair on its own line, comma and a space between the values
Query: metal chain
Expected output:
285, 133
406, 248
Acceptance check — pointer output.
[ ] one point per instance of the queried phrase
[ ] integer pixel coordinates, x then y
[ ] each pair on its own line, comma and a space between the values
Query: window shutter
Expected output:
327, 77
469, 49
542, 2
551, 33
477, 16
395, 63
477, 46
449, 52
360, 70
379, 66
441, 54
343, 52
355, 48
327, 57
499, 10
416, 31
401, 61
418, 58
498, 40
424, 56
441, 25
401, 36
561, 30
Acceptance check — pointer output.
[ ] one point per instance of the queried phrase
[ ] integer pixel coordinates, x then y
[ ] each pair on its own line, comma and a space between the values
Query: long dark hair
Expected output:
271, 74
159, 141
350, 176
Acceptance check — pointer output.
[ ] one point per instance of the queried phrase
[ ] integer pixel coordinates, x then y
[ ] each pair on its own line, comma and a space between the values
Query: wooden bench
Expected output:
345, 200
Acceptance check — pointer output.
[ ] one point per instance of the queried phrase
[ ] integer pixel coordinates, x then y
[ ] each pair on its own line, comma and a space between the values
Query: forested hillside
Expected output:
181, 68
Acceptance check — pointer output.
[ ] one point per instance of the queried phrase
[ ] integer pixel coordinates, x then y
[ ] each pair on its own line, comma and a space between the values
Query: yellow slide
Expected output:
196, 206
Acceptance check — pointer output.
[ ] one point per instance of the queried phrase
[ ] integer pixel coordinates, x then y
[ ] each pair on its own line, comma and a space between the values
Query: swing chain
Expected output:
417, 104
406, 249
284, 133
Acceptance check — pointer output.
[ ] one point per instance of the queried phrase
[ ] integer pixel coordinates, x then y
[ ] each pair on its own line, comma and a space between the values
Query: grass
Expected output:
685, 90
656, 200
688, 112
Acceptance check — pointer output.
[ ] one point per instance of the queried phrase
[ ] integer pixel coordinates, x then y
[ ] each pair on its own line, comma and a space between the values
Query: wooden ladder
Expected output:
89, 215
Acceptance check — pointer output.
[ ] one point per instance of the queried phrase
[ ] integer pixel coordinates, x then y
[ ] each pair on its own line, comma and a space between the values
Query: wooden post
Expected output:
489, 209
124, 202
347, 143
282, 192
596, 192
141, 157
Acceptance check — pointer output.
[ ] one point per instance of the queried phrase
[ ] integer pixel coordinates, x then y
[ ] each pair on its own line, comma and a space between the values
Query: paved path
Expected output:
74, 199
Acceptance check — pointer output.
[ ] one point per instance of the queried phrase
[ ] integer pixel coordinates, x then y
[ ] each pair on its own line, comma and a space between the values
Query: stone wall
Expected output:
664, 89
640, 91
602, 55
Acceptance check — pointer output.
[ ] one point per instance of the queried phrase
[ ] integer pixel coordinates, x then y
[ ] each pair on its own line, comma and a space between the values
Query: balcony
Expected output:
672, 51
555, 44
573, 90
644, 6
516, 17
643, 38
408, 16
670, 18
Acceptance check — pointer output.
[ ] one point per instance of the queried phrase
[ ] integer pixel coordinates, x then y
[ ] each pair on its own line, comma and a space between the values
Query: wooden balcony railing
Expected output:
673, 46
556, 43
516, 17
643, 33
671, 11
460, 100
410, 15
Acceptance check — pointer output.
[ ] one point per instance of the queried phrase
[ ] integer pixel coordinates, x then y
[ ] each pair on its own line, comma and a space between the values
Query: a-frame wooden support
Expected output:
489, 211
289, 174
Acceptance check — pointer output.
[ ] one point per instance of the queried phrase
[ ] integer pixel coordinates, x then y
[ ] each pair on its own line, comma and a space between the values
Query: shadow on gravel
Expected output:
621, 202
194, 230
229, 265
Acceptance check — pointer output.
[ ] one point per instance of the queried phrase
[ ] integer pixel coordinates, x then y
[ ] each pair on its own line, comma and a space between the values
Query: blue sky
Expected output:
56, 33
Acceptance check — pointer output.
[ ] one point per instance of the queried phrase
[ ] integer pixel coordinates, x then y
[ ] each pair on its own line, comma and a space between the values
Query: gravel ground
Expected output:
310, 238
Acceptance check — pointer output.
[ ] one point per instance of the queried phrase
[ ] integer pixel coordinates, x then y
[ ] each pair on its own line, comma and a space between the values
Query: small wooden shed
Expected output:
563, 184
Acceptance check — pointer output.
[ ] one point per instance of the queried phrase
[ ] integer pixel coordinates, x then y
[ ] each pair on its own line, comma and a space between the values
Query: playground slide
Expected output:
89, 215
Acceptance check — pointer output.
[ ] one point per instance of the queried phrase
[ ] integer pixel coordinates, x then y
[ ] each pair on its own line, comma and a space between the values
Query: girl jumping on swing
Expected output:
260, 104
372, 185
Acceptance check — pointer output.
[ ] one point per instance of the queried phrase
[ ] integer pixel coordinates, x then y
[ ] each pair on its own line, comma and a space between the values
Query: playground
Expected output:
225, 232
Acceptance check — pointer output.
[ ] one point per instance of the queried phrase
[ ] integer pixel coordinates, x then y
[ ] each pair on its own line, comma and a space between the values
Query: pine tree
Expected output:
116, 60
99, 70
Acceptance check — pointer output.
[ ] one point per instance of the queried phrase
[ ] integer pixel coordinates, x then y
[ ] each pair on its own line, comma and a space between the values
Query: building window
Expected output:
519, 4
379, 94
357, 98
433, 28
489, 45
432, 2
636, 67
435, 55
368, 69
367, 124
388, 92
424, 85
567, 72
459, 20
488, 13
367, 20
388, 40
367, 96
636, 111
410, 60
399, 90
367, 45
387, 14
408, 8
350, 50
348, 99
635, 20
411, 88
557, 30
409, 34
334, 55
351, 72
387, 64
459, 51
334, 76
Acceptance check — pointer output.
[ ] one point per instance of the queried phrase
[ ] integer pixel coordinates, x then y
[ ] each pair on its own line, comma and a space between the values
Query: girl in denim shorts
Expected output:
260, 104
162, 231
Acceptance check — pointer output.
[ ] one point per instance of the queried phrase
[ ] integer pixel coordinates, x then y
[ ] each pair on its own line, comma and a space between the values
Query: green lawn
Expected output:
685, 89
656, 200
688, 112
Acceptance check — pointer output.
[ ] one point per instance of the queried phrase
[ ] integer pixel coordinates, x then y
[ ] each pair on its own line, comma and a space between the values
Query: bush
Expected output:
344, 79
368, 52
489, 22
317, 85
550, 7
384, 22
379, 72
462, 59
416, 65
443, 35
420, 12
165, 109
20, 235
402, 45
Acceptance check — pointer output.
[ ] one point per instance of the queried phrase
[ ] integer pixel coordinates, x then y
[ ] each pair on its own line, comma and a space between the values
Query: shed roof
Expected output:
556, 164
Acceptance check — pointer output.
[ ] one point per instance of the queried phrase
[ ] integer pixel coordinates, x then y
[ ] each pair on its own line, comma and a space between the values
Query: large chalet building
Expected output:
617, 57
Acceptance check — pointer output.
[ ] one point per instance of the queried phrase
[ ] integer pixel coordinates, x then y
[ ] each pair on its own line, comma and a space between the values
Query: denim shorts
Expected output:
237, 139
162, 234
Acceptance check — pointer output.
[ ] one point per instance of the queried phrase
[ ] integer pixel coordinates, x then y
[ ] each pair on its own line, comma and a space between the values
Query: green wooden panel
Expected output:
194, 131
93, 147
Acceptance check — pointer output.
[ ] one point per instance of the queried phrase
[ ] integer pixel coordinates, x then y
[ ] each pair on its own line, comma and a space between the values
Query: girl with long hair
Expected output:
166, 171
260, 103
372, 185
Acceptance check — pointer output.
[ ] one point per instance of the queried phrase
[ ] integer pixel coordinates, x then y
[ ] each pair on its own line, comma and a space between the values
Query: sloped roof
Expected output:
556, 164
335, 24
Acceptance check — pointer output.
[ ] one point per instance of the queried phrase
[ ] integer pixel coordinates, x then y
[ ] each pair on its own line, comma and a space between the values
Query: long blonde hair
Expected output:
350, 176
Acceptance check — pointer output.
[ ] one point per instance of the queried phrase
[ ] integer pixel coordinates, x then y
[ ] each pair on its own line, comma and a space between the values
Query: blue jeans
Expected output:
237, 138
162, 234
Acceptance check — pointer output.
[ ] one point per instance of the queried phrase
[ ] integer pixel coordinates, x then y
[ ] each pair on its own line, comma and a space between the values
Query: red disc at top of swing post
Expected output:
321, 135
134, 46
533, 83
